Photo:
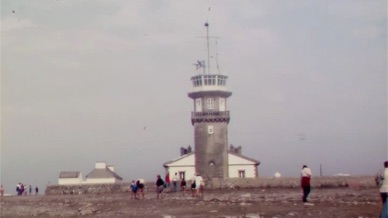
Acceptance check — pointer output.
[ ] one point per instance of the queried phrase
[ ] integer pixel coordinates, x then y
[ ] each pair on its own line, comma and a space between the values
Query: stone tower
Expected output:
210, 119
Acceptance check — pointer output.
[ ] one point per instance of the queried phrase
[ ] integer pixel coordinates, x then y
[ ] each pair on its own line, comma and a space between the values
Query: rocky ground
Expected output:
272, 202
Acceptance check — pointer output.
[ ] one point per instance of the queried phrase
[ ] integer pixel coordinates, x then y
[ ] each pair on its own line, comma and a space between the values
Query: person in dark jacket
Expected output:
159, 187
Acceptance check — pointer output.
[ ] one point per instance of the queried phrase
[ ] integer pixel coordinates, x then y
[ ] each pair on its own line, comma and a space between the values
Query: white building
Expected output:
101, 174
238, 165
70, 178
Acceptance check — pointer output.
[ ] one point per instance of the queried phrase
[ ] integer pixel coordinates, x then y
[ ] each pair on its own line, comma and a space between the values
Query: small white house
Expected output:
70, 178
103, 174
238, 165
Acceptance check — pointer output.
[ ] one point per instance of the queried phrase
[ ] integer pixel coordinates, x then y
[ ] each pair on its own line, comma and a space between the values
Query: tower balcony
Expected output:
209, 82
210, 116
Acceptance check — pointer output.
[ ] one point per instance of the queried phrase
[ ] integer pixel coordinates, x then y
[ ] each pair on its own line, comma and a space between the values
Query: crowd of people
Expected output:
22, 189
196, 186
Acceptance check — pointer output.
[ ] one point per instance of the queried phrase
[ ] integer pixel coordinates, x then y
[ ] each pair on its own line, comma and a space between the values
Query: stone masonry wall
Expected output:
232, 183
86, 189
293, 182
211, 148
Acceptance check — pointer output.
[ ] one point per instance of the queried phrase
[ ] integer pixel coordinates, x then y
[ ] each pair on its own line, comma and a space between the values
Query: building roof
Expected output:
103, 174
179, 158
245, 157
69, 174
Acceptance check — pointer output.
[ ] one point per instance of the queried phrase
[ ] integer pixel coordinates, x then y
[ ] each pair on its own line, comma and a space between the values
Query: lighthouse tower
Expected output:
210, 119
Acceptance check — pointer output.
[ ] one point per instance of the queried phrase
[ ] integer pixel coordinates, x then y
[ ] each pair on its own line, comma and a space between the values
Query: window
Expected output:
197, 80
210, 103
221, 104
182, 174
198, 105
221, 80
241, 173
210, 130
209, 80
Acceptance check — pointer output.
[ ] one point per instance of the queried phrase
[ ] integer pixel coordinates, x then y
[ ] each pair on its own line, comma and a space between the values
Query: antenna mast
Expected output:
208, 49
218, 67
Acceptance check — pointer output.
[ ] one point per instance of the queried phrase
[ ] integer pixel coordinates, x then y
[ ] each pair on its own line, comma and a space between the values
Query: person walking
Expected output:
175, 182
1, 191
18, 187
167, 180
134, 189
159, 187
193, 185
199, 185
305, 182
140, 187
36, 190
382, 182
183, 186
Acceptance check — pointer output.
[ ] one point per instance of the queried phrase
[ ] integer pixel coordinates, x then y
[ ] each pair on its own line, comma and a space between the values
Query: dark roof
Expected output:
103, 174
69, 174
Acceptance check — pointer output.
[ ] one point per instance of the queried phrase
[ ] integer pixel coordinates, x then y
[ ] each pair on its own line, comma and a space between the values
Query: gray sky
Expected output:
81, 80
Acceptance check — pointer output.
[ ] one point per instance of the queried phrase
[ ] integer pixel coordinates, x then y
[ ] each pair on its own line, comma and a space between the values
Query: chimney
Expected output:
183, 151
189, 149
239, 149
100, 165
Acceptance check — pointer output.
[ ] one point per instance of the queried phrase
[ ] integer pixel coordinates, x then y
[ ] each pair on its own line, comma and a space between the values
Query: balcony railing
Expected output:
210, 116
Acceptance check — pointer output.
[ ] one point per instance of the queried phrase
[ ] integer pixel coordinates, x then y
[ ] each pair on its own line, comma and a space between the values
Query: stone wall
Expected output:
211, 154
231, 183
86, 189
293, 182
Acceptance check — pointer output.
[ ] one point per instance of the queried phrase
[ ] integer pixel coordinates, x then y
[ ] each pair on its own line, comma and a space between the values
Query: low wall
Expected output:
93, 188
293, 182
86, 189
232, 183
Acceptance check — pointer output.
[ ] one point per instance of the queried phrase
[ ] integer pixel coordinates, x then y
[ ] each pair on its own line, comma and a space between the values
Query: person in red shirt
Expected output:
167, 180
305, 182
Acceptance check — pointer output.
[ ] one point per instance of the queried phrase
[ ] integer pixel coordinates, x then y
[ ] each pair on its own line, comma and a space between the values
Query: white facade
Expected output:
238, 166
184, 166
69, 181
72, 180
101, 181
241, 167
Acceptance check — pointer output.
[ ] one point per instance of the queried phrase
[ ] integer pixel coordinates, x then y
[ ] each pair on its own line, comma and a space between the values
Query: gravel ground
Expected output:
273, 202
